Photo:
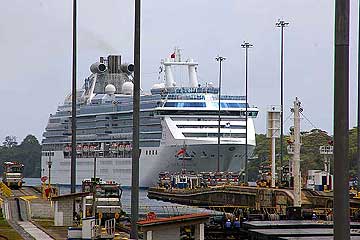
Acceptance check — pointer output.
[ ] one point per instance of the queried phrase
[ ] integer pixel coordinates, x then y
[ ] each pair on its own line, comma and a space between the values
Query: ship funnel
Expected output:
127, 68
98, 68
114, 62
193, 81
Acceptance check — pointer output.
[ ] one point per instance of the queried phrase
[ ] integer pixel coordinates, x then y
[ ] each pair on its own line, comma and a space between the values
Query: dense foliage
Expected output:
27, 152
310, 155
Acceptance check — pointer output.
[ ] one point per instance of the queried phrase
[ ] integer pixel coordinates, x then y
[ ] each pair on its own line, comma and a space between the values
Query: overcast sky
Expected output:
35, 47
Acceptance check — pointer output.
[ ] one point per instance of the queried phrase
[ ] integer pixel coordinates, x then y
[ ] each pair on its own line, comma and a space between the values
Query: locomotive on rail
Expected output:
13, 174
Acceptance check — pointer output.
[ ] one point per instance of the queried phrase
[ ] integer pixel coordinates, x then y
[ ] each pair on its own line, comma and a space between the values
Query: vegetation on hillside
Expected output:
27, 152
310, 155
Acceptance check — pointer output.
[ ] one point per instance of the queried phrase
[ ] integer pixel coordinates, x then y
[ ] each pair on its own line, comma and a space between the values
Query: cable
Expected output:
309, 121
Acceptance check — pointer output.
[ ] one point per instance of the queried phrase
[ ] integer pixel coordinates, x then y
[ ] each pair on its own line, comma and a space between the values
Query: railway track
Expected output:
25, 191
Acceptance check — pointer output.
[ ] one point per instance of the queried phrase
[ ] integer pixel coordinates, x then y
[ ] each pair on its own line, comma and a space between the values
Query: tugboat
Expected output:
13, 174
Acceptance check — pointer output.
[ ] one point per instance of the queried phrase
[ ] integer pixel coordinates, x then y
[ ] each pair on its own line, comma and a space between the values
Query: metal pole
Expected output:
296, 156
49, 165
358, 113
341, 121
246, 116
281, 24
246, 45
219, 59
73, 106
282, 97
136, 127
94, 187
273, 176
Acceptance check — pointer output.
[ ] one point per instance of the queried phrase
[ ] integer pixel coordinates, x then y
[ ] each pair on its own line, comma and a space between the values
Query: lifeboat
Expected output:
121, 147
68, 149
79, 148
128, 147
113, 147
92, 148
86, 148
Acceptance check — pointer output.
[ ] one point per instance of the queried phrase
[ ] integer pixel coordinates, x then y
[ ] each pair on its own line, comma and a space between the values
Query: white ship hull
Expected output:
179, 127
119, 169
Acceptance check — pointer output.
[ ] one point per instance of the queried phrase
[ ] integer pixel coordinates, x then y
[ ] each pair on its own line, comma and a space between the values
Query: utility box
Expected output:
273, 122
319, 180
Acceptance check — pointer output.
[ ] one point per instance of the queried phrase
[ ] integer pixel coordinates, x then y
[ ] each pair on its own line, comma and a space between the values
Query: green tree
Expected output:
310, 154
28, 153
10, 141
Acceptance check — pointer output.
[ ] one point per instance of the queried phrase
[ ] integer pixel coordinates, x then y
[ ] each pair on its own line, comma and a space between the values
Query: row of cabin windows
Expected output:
151, 152
204, 104
224, 135
47, 154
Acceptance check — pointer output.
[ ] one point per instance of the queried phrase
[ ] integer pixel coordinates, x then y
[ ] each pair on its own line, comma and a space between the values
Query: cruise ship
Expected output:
178, 126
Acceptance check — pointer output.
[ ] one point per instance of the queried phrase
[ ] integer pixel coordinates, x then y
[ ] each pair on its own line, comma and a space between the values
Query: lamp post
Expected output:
358, 108
341, 121
73, 105
220, 59
136, 126
281, 24
94, 183
246, 45
49, 167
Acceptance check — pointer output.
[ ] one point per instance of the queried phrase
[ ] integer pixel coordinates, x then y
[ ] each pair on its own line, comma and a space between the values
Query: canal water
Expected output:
145, 204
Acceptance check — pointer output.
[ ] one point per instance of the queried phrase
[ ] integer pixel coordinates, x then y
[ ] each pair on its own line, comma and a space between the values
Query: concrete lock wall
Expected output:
24, 210
167, 232
64, 212
171, 233
40, 210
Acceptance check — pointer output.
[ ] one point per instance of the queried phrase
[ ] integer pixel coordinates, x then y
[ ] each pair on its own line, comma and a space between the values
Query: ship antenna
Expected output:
177, 52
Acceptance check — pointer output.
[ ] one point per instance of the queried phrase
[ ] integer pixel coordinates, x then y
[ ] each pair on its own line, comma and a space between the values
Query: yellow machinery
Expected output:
5, 190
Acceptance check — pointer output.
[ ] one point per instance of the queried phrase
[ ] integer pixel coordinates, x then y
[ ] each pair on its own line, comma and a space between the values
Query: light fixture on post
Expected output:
49, 169
246, 46
220, 59
281, 24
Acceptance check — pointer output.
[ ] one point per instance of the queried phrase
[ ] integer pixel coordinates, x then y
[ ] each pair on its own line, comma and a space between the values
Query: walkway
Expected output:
34, 231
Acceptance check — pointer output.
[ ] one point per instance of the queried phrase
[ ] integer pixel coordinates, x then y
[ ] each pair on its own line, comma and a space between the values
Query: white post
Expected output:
149, 235
199, 231
296, 156
273, 169
202, 235
273, 121
273, 162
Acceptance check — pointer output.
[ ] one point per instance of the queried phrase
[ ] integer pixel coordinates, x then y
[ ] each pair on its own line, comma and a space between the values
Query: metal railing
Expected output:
110, 227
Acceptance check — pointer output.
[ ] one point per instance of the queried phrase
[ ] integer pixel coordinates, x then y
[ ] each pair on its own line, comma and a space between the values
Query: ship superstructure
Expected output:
178, 126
